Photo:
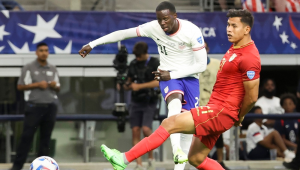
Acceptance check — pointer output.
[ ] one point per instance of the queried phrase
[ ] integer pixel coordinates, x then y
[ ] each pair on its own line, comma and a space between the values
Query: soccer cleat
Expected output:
180, 157
114, 157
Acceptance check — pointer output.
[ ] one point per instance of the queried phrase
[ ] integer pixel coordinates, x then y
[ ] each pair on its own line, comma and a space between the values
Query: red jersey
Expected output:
239, 64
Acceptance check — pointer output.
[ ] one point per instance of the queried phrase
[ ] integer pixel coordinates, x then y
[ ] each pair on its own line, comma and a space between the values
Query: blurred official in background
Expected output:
40, 82
207, 81
144, 96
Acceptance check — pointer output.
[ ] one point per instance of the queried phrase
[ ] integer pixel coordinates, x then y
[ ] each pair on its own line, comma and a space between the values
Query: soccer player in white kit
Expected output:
182, 56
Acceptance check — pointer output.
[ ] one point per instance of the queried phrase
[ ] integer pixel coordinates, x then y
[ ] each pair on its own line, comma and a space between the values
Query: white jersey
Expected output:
175, 50
255, 134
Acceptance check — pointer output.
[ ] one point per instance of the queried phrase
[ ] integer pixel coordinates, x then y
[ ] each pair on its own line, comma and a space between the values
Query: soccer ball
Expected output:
44, 163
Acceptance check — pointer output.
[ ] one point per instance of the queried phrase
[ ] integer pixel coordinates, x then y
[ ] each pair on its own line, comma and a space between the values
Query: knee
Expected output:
169, 124
146, 129
136, 132
196, 160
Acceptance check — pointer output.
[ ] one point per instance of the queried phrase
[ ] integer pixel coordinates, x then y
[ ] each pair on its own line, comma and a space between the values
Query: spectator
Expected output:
10, 5
254, 5
144, 97
207, 81
288, 128
295, 163
269, 103
39, 79
259, 142
247, 122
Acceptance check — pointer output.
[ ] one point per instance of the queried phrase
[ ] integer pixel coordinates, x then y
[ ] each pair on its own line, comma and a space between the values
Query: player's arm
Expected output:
107, 39
147, 85
251, 95
200, 55
198, 67
25, 81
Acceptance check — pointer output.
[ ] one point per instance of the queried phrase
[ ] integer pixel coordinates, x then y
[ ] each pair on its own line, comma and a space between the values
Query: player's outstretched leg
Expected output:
181, 123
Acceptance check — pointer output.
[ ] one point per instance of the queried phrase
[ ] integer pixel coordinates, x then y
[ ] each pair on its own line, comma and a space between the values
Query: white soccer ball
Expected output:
44, 163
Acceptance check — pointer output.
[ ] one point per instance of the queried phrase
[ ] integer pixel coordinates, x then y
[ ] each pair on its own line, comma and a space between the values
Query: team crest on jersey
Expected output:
250, 74
181, 45
232, 57
166, 89
200, 40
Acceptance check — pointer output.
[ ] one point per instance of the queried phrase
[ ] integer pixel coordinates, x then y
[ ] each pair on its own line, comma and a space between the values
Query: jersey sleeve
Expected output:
145, 30
256, 134
197, 40
250, 67
25, 77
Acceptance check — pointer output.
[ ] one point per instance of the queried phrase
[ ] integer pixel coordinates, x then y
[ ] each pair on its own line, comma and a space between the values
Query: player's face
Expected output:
236, 30
288, 105
166, 20
42, 53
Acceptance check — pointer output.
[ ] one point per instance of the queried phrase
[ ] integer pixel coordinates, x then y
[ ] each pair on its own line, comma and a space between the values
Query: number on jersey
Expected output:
162, 49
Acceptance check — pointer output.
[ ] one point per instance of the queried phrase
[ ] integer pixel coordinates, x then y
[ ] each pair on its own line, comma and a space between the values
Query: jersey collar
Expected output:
242, 46
179, 28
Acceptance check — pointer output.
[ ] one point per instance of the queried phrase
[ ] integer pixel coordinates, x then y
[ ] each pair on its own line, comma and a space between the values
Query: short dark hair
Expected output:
288, 96
266, 81
254, 108
41, 44
140, 48
246, 16
166, 5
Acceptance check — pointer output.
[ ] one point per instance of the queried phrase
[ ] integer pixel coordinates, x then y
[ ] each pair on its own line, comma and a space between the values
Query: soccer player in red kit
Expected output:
234, 94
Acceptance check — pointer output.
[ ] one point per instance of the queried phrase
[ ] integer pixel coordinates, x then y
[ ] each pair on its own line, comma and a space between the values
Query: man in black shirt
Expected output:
144, 95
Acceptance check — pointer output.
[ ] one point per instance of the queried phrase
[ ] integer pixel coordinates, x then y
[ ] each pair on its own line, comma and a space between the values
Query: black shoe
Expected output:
223, 165
291, 165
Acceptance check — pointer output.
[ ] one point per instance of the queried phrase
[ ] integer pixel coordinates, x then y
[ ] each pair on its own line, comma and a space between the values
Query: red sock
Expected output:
209, 164
147, 144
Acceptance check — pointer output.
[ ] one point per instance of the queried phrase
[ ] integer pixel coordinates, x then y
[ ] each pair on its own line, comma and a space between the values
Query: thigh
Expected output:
49, 118
170, 87
180, 123
33, 116
135, 115
148, 115
191, 93
211, 120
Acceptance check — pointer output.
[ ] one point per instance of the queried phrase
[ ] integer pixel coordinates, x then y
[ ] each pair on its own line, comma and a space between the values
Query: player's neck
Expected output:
243, 41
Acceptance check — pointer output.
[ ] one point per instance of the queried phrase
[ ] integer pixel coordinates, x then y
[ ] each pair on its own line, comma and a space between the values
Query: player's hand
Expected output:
239, 123
135, 87
52, 84
85, 50
43, 84
162, 75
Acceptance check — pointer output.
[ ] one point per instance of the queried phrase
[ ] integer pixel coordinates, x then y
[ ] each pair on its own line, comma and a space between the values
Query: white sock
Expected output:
174, 108
179, 166
286, 152
185, 143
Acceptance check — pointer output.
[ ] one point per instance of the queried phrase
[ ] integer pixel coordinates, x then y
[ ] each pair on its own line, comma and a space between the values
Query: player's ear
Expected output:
175, 15
247, 29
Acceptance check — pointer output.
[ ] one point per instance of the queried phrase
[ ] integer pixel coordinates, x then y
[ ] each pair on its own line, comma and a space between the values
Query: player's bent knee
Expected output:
196, 160
169, 124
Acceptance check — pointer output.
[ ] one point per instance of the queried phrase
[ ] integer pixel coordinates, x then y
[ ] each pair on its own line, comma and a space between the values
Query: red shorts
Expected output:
211, 121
